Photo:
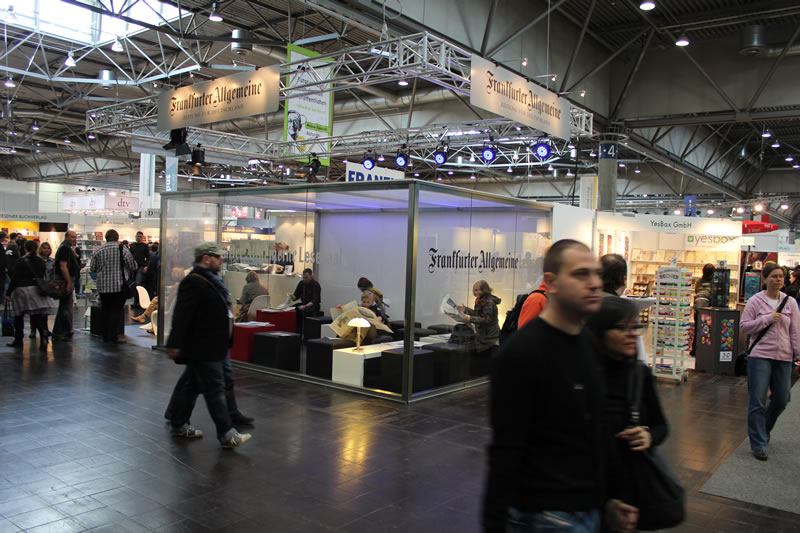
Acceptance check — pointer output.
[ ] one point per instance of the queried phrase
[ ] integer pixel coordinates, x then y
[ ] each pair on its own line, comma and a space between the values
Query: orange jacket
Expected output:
533, 305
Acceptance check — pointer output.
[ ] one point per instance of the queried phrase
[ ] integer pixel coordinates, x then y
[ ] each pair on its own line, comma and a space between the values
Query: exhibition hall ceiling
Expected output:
54, 74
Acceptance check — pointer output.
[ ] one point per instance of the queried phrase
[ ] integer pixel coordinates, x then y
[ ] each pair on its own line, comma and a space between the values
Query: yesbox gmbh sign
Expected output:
244, 94
357, 172
500, 91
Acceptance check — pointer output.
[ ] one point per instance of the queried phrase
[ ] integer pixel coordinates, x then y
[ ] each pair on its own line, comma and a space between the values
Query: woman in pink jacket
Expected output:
769, 366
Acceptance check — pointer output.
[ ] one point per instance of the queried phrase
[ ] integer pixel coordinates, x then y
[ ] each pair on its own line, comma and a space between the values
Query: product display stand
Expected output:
671, 318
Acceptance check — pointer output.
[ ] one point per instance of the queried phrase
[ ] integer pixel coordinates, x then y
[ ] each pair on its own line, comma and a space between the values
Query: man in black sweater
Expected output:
141, 254
549, 454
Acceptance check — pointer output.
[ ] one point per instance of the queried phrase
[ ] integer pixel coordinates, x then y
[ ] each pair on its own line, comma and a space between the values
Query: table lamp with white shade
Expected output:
358, 323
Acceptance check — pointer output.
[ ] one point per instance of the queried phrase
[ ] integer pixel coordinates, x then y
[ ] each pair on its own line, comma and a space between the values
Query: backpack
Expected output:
512, 317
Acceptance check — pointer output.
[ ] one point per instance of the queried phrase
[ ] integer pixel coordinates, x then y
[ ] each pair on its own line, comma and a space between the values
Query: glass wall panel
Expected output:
468, 241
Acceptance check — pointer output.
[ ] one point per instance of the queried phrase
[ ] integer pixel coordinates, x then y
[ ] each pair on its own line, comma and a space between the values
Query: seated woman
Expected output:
144, 317
252, 288
369, 301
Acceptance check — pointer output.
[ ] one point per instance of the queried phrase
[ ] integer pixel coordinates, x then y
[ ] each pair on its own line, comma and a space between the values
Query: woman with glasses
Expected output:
617, 327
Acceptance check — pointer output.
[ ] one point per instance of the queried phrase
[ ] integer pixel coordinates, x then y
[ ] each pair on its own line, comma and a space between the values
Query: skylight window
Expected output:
67, 21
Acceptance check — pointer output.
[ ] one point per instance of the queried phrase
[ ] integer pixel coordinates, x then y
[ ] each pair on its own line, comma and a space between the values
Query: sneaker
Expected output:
187, 432
233, 438
761, 455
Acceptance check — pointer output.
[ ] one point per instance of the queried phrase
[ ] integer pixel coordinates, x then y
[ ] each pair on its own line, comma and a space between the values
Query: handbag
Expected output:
54, 288
660, 497
8, 321
740, 365
462, 334
128, 288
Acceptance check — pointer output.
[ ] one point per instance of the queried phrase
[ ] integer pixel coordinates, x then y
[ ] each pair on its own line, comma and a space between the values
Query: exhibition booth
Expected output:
648, 242
423, 245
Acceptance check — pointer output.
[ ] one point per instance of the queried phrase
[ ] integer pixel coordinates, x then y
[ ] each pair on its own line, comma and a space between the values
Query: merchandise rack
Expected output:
671, 319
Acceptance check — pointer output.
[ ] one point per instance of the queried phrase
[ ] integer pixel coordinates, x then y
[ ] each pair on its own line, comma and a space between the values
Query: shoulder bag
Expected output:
8, 321
740, 366
661, 499
128, 288
48, 287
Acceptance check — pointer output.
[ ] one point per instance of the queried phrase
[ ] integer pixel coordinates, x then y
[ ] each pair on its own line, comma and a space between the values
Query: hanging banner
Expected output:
309, 116
500, 91
147, 180
244, 94
588, 196
357, 172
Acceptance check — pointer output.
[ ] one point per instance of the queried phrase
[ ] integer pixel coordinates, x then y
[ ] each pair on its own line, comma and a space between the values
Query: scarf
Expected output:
215, 280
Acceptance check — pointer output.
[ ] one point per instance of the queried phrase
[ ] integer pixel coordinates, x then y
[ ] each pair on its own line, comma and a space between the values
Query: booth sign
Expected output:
500, 91
356, 172
244, 94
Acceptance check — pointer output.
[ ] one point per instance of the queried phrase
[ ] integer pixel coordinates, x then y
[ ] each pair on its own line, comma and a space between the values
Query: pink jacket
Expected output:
782, 341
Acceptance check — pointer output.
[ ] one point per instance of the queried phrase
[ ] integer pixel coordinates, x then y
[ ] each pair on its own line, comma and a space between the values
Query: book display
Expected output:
671, 318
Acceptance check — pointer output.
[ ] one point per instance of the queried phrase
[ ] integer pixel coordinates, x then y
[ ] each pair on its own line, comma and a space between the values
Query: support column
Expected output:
147, 181
171, 172
607, 177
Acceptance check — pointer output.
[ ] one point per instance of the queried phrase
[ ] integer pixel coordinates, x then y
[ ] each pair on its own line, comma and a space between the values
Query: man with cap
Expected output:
202, 327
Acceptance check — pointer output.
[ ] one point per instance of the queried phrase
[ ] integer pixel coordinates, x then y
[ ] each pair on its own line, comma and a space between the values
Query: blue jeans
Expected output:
580, 522
63, 324
763, 375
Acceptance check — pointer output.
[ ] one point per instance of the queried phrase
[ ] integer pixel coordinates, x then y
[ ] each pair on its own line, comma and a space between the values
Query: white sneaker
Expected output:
233, 438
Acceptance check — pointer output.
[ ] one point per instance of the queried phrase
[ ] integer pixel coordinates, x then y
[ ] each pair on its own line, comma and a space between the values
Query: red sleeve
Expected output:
531, 308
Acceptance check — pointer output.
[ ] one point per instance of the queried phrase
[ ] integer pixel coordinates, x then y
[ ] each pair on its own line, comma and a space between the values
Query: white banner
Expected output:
147, 180
309, 116
243, 94
588, 196
34, 217
101, 202
357, 172
500, 91
669, 224
171, 172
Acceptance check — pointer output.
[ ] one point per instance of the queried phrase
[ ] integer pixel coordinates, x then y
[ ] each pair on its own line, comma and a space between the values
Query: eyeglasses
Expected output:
635, 329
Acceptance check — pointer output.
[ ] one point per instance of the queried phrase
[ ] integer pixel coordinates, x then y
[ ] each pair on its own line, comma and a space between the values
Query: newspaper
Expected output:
450, 308
344, 313
287, 304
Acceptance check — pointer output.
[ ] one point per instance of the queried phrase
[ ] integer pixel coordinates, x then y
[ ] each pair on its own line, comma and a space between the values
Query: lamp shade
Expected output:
358, 322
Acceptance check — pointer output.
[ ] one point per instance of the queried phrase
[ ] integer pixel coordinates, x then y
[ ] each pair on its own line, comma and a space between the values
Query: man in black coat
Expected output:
202, 328
309, 292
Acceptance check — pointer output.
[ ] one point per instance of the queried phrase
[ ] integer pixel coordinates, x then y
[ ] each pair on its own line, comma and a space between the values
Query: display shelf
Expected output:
671, 319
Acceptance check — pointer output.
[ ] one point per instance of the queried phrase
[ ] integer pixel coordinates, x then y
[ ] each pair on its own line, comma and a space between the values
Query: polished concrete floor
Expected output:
83, 446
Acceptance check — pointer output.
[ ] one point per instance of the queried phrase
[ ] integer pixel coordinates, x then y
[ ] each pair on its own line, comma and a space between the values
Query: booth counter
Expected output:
419, 243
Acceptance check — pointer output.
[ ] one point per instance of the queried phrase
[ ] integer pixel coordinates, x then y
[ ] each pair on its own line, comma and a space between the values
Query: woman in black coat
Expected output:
25, 297
617, 326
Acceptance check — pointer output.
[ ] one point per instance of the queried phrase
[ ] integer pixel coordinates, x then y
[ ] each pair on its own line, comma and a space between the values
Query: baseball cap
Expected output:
207, 248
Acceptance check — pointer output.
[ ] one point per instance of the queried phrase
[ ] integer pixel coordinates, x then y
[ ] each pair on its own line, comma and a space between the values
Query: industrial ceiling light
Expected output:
368, 162
636, 170
583, 93
35, 126
789, 158
677, 211
775, 144
488, 154
10, 83
440, 156
401, 159
214, 16
709, 211
784, 206
198, 156
740, 210
647, 5
682, 40
314, 165
509, 170
795, 166
116, 46
91, 136
758, 208
70, 60
767, 134
542, 150
66, 140
381, 158
524, 61
592, 153
472, 177
402, 83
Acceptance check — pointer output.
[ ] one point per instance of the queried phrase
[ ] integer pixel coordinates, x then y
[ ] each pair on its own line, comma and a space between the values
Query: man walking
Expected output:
141, 254
548, 454
66, 269
202, 326
109, 261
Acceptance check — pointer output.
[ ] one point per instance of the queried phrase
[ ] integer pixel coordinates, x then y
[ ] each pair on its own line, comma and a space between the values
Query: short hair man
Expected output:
309, 292
201, 334
614, 275
549, 441
141, 254
109, 262
66, 268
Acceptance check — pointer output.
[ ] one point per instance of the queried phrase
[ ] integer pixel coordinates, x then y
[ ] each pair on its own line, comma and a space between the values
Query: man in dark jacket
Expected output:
202, 327
550, 453
141, 254
309, 292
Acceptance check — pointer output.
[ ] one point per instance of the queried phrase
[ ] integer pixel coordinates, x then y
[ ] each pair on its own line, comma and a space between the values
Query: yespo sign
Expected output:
244, 94
500, 91
357, 173
711, 241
